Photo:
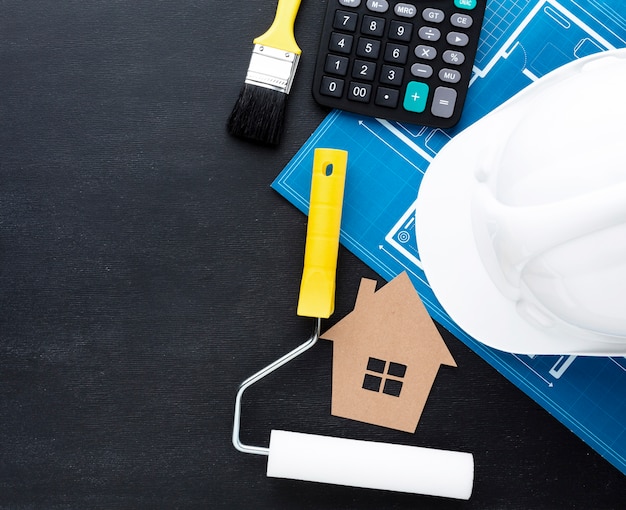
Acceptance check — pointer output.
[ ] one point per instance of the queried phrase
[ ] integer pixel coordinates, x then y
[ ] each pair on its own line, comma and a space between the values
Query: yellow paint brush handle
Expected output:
280, 34
317, 289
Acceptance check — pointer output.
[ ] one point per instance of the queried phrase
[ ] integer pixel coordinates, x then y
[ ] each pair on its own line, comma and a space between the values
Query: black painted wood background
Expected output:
146, 268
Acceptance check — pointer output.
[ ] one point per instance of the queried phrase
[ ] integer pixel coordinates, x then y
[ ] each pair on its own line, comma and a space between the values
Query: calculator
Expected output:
405, 61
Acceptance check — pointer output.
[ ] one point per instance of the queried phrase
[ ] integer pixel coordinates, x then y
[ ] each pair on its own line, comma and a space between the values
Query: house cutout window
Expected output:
389, 382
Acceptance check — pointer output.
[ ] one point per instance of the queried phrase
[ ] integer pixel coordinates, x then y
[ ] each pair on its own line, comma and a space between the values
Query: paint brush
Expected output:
259, 111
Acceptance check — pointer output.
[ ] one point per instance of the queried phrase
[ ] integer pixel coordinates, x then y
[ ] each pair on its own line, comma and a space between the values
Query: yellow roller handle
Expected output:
317, 289
280, 34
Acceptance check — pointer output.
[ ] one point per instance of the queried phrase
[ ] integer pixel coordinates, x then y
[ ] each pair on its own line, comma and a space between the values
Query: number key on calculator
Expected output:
407, 61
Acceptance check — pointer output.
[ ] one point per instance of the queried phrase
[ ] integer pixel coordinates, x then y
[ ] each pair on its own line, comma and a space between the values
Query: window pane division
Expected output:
375, 375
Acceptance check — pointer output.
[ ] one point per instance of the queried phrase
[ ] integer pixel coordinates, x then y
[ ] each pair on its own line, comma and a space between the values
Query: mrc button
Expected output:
405, 10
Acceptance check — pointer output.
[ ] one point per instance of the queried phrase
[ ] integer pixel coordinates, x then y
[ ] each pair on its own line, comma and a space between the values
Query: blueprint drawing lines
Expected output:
521, 41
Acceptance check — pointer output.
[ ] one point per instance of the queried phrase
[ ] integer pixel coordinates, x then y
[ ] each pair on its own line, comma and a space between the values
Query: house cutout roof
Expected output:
386, 355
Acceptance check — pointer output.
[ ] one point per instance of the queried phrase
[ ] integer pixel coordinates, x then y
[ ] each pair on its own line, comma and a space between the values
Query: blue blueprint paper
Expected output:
521, 41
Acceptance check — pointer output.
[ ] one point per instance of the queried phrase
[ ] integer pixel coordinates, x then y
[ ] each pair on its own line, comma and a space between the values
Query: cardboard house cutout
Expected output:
386, 355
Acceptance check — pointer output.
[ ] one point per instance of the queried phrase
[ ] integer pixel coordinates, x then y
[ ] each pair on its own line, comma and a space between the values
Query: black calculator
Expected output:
406, 61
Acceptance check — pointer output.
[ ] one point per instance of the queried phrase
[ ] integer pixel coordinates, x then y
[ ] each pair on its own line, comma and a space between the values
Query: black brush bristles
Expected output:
258, 114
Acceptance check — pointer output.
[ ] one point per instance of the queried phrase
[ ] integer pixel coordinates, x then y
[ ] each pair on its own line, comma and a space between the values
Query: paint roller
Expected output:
333, 460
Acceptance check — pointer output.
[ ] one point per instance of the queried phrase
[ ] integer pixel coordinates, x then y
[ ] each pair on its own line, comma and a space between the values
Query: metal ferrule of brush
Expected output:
272, 68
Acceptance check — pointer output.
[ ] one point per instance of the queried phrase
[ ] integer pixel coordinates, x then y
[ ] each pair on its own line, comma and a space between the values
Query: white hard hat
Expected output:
521, 218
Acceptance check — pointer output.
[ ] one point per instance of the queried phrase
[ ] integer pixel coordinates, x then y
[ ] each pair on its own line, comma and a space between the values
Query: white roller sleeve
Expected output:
372, 465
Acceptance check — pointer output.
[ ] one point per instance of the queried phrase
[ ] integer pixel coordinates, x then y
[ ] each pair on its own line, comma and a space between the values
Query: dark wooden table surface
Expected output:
146, 268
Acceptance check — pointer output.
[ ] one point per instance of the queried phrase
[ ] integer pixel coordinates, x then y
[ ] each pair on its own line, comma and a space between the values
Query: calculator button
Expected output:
377, 5
364, 70
331, 86
461, 20
361, 92
373, 26
400, 31
369, 48
425, 52
415, 97
396, 53
405, 10
345, 20
337, 65
444, 101
453, 57
449, 75
391, 75
429, 33
387, 97
402, 60
465, 4
457, 39
433, 15
421, 70
340, 43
